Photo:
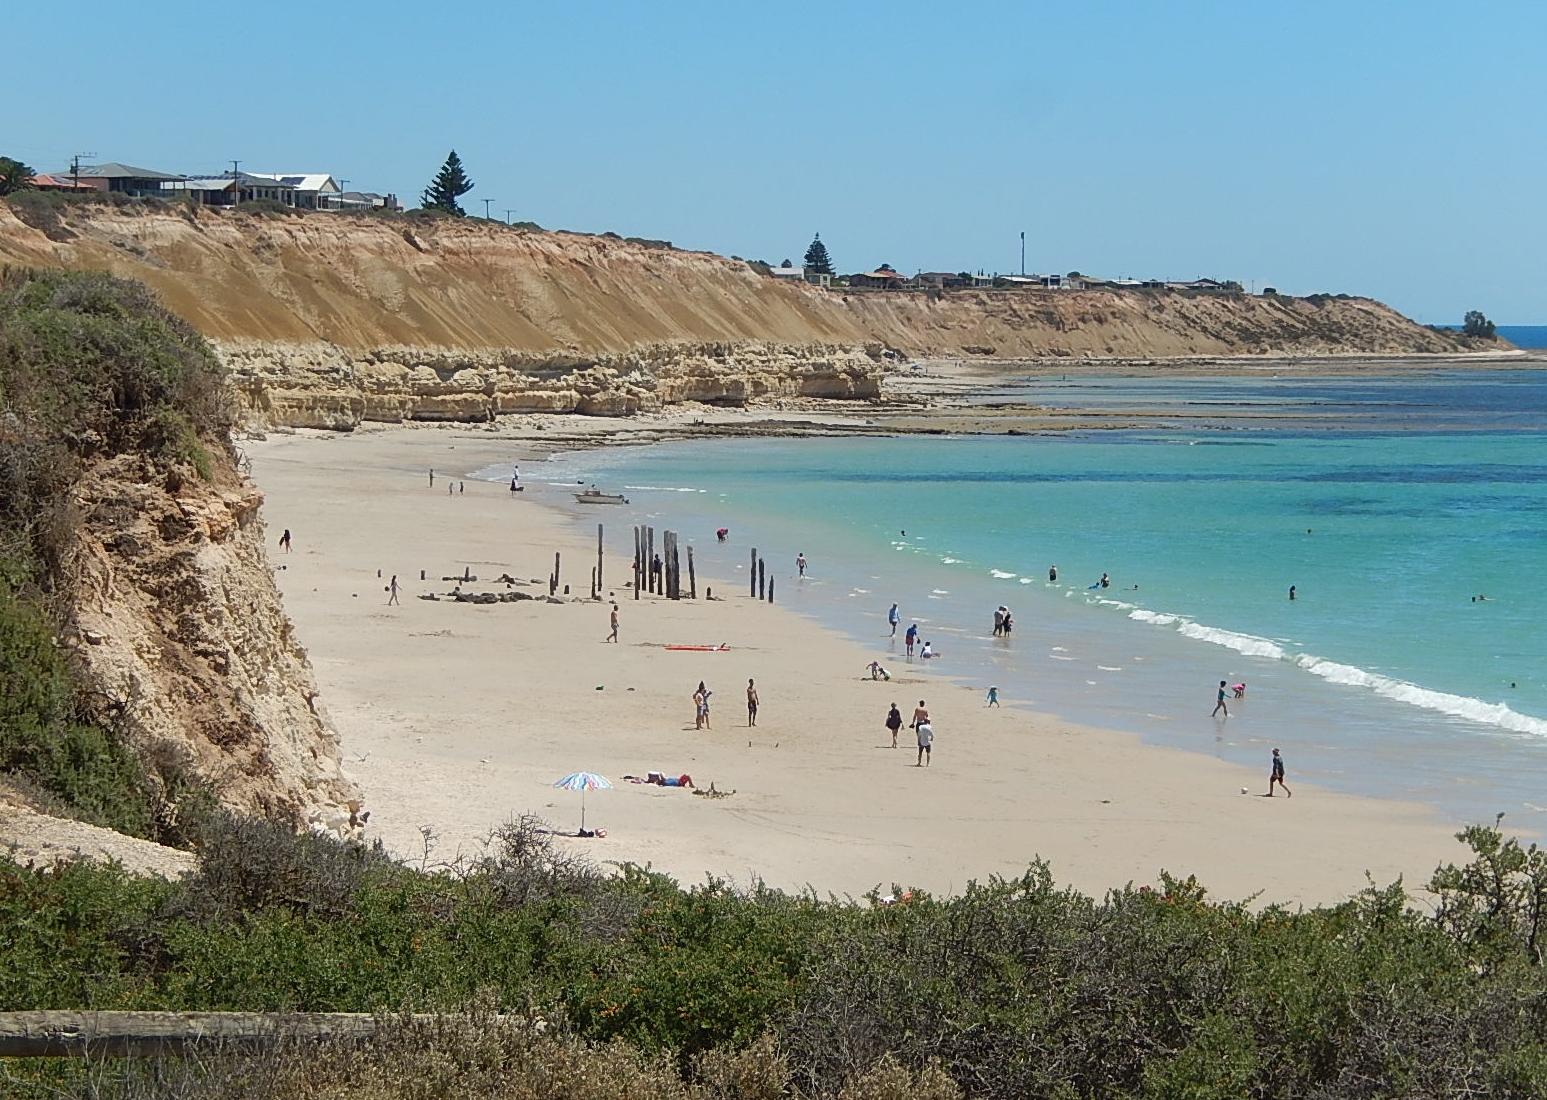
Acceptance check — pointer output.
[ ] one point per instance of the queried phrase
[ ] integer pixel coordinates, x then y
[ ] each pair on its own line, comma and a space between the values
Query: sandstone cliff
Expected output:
330, 319
179, 628
144, 650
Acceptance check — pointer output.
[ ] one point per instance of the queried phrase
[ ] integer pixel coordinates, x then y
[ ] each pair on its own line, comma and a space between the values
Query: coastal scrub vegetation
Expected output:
629, 985
91, 367
1476, 325
14, 176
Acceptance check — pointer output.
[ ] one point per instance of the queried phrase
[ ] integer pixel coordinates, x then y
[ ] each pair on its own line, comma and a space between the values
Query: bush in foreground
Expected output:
1017, 988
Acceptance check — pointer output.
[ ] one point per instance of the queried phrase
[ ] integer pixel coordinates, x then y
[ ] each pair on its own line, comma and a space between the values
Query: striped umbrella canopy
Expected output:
583, 782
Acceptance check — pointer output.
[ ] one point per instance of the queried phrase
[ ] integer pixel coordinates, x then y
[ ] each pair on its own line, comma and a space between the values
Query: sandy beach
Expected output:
456, 717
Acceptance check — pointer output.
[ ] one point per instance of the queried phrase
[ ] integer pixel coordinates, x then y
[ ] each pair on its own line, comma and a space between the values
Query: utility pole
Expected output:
75, 168
341, 189
236, 175
486, 203
508, 213
1023, 253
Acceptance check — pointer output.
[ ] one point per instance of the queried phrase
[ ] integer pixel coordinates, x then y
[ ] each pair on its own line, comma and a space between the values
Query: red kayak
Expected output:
721, 648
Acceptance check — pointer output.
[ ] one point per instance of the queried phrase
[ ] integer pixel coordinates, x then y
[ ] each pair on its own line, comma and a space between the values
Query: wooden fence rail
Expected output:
143, 1034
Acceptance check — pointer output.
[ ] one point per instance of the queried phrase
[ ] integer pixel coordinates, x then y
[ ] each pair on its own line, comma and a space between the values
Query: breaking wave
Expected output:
1498, 715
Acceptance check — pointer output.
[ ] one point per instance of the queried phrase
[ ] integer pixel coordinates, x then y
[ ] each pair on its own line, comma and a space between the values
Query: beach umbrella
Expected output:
583, 782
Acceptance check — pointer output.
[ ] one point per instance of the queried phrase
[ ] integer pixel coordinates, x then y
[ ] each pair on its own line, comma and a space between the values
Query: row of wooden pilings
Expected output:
666, 580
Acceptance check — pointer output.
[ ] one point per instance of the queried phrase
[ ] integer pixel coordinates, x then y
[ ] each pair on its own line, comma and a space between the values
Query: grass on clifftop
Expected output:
90, 367
1016, 989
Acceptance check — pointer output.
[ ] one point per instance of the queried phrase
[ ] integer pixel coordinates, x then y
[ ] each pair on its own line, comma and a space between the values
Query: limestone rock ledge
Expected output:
319, 385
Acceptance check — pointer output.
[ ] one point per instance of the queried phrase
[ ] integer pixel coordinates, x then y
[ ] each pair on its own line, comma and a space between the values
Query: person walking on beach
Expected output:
284, 541
701, 707
392, 591
894, 722
924, 732
1219, 702
1277, 776
800, 563
613, 637
894, 618
751, 704
910, 638
993, 697
432, 477
999, 620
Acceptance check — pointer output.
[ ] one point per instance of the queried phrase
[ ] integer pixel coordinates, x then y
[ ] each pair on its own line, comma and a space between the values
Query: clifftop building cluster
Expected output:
299, 190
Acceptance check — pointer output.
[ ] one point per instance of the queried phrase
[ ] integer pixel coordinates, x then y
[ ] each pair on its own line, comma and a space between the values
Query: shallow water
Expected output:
1383, 676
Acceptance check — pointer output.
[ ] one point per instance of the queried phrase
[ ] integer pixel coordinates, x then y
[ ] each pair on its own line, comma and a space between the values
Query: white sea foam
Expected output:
1249, 644
1060, 657
665, 489
1026, 580
950, 561
1110, 668
1059, 649
1000, 574
1457, 706
1159, 618
940, 591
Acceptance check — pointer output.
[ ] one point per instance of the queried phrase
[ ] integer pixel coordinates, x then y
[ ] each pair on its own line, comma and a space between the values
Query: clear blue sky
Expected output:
1390, 149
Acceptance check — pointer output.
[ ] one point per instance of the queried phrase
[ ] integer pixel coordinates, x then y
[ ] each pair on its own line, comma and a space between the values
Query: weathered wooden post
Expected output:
692, 580
593, 582
638, 577
598, 559
752, 574
770, 589
553, 584
676, 568
650, 557
760, 564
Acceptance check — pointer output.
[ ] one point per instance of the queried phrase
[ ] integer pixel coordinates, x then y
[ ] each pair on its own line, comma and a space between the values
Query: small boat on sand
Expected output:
593, 495
721, 648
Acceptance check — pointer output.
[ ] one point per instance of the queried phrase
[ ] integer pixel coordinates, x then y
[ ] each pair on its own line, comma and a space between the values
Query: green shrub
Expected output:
1018, 988
90, 367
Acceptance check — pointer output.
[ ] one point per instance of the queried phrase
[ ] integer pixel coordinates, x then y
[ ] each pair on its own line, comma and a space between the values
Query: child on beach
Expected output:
1277, 776
894, 722
701, 707
1239, 690
910, 638
877, 672
1219, 702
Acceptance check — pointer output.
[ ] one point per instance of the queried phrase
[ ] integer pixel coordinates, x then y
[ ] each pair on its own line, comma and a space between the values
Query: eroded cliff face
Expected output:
328, 320
178, 624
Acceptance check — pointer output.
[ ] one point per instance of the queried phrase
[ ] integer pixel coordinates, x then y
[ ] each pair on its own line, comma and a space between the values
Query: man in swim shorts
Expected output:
911, 637
894, 618
925, 734
751, 703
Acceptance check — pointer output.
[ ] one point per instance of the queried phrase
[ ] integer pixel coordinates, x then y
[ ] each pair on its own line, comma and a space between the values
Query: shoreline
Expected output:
452, 716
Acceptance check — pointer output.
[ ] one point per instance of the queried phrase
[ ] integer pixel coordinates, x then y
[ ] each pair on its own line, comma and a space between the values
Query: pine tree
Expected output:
449, 184
818, 262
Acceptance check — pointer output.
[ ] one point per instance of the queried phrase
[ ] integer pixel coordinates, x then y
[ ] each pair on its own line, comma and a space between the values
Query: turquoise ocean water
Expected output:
1388, 502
